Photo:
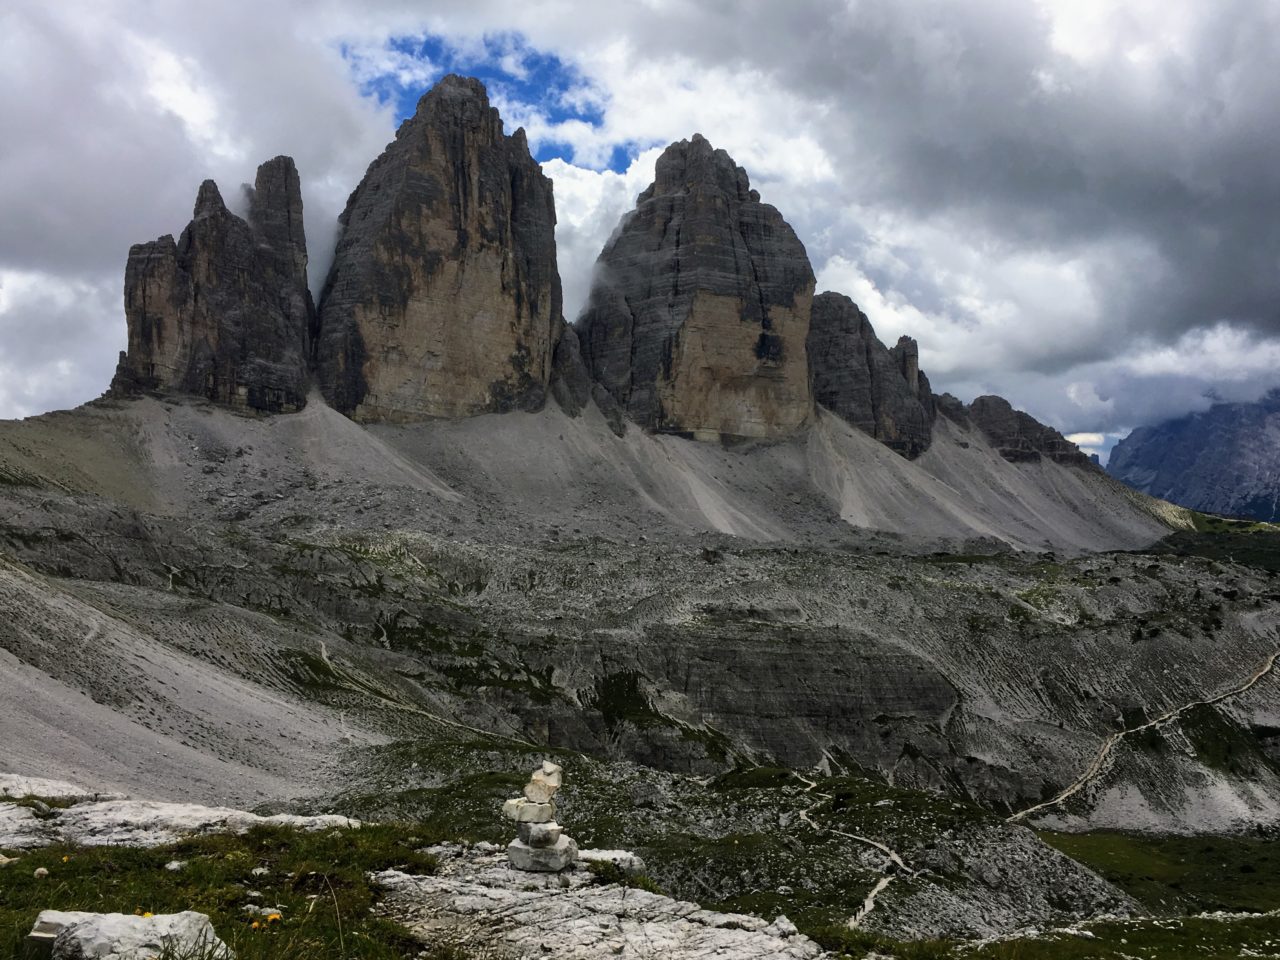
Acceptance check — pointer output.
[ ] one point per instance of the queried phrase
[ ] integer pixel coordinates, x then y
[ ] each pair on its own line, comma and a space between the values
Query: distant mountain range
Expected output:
1224, 460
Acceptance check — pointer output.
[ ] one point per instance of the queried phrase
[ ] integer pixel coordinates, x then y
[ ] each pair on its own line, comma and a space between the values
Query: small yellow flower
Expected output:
273, 918
255, 925
147, 913
66, 859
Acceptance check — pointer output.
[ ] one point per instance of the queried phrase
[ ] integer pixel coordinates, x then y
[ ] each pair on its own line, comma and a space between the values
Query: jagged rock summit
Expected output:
1017, 436
880, 391
1224, 460
224, 313
697, 319
444, 298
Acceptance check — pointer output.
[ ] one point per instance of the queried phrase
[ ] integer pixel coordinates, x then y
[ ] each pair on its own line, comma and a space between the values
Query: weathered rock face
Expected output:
1224, 460
698, 316
224, 313
443, 299
1020, 437
880, 391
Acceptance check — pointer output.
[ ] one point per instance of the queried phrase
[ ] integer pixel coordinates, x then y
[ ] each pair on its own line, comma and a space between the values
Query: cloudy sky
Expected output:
1073, 203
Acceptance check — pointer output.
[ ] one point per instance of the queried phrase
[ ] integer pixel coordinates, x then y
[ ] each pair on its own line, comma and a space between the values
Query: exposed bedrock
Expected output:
224, 312
880, 391
697, 319
443, 299
1019, 436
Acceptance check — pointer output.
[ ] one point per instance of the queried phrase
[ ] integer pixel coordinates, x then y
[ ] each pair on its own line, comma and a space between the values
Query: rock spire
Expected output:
444, 298
697, 319
224, 312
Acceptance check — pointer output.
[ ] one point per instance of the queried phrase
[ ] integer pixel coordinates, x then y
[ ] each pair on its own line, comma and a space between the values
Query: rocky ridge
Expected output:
444, 301
1224, 460
444, 297
1018, 436
224, 313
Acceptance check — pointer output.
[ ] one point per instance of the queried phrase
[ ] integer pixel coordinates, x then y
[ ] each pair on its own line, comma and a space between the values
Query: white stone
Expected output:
571, 918
782, 927
552, 774
522, 811
13, 785
121, 936
536, 792
550, 859
539, 834
173, 866
139, 823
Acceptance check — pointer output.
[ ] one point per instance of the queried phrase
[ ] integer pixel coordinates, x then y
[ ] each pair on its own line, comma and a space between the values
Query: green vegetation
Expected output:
606, 872
1173, 939
1236, 541
1175, 875
318, 880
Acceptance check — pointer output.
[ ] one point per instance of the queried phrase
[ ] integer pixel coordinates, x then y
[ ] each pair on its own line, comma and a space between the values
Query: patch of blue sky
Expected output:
535, 82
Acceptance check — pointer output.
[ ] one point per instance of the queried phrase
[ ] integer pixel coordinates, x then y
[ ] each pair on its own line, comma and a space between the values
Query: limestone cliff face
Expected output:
443, 299
224, 312
880, 391
697, 319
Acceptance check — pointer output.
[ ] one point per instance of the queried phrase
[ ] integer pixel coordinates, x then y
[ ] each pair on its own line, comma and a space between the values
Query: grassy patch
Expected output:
1182, 874
1251, 544
606, 872
1174, 939
318, 880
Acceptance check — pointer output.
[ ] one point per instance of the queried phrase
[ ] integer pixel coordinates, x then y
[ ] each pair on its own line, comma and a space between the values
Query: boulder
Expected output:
224, 312
444, 298
880, 391
550, 859
74, 935
697, 319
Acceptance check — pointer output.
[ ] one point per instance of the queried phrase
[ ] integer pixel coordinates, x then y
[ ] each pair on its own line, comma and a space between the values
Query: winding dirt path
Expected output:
890, 854
1099, 761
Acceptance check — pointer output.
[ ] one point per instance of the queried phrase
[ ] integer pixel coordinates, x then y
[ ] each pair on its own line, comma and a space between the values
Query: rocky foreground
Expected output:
480, 903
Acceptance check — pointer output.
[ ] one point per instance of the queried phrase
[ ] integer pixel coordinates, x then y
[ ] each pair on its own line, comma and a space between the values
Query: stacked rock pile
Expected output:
541, 845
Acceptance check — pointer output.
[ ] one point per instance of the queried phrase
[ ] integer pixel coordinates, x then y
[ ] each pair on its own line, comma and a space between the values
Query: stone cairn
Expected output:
541, 845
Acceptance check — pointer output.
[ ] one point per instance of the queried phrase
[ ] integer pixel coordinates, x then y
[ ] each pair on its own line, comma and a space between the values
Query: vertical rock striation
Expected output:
697, 319
880, 391
224, 313
444, 298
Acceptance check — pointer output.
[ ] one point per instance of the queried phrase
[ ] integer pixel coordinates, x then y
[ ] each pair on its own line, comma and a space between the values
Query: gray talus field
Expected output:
252, 596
